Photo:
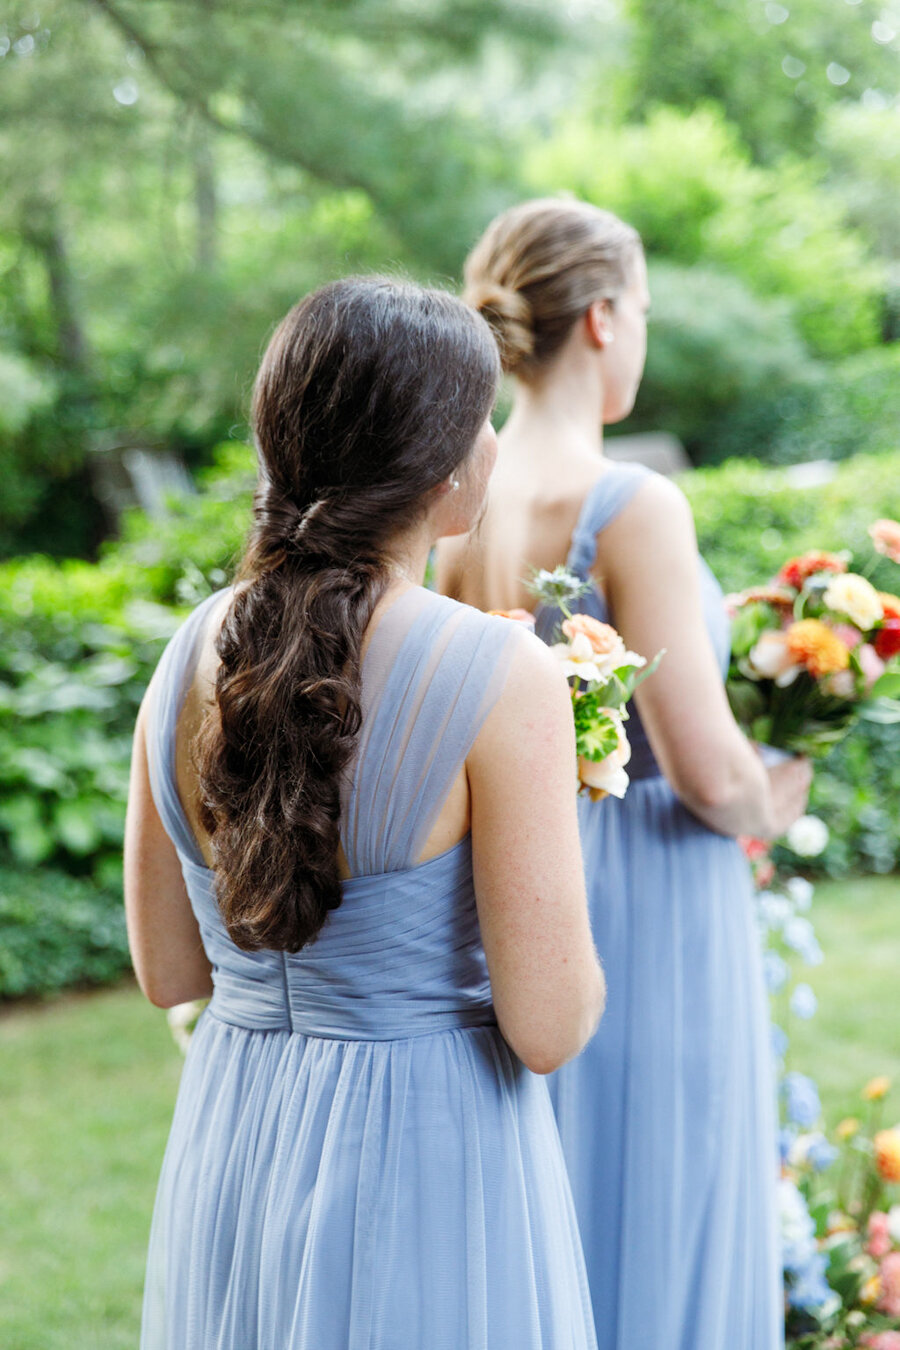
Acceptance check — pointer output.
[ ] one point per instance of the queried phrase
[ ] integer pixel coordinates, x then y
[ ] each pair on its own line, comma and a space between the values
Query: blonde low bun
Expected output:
509, 315
537, 269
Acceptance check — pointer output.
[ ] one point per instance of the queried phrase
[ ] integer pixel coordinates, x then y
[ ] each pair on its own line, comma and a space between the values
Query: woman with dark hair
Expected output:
667, 1120
351, 821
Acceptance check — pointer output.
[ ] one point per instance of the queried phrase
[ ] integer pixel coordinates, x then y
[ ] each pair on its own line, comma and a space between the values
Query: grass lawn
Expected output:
87, 1085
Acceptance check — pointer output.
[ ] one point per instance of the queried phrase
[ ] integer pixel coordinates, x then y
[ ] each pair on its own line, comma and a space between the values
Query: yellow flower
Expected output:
877, 1088
887, 1154
847, 1128
871, 1290
852, 595
812, 644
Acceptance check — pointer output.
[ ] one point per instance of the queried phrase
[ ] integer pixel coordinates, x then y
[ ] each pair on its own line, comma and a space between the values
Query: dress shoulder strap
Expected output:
433, 671
165, 699
607, 498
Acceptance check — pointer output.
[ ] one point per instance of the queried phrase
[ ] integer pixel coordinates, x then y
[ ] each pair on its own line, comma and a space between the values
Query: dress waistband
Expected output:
264, 1006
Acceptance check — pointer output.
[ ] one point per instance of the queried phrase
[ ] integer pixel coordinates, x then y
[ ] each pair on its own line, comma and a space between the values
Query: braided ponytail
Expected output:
370, 394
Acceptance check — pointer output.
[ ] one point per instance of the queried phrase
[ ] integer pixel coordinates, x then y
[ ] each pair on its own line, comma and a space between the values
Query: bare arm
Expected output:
548, 987
166, 949
648, 558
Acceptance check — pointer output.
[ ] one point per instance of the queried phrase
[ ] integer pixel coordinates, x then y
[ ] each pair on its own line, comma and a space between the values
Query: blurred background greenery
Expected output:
177, 172
174, 174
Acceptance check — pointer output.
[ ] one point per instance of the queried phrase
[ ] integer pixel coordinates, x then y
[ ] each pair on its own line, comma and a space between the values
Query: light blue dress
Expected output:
357, 1160
667, 1117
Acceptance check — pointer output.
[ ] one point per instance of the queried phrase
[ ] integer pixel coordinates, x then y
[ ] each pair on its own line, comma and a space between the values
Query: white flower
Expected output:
770, 659
807, 837
608, 774
852, 595
801, 892
774, 910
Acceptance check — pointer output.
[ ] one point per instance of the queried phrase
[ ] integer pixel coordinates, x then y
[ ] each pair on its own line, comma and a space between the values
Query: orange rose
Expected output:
602, 636
887, 1154
816, 647
798, 570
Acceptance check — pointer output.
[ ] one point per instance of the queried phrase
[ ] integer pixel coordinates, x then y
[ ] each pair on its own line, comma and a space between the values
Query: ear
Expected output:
598, 325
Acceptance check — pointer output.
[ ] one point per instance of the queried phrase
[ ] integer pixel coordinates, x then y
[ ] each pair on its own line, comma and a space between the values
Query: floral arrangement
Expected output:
839, 1197
602, 677
816, 648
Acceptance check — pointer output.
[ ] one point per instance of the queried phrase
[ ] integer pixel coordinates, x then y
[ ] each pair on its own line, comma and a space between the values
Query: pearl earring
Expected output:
454, 484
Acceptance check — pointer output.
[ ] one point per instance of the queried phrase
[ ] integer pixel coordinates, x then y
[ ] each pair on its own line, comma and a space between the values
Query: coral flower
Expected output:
887, 1154
814, 645
887, 639
890, 604
877, 1088
885, 535
798, 570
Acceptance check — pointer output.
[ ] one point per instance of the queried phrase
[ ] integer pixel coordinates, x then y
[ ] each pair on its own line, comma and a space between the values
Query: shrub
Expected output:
57, 931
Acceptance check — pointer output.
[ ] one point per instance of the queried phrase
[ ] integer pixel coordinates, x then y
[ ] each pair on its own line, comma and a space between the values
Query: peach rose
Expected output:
885, 535
602, 636
771, 659
887, 1154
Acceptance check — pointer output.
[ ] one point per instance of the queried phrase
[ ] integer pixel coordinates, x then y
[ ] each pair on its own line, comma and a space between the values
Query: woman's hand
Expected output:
789, 783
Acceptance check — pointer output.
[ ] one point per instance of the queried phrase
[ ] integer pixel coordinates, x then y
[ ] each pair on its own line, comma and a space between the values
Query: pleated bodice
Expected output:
402, 954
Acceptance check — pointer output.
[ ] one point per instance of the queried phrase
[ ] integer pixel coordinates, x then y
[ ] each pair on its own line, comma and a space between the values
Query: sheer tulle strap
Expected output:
438, 669
610, 494
165, 699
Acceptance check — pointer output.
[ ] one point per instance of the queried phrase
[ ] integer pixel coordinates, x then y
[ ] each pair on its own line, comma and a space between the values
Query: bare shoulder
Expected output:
656, 523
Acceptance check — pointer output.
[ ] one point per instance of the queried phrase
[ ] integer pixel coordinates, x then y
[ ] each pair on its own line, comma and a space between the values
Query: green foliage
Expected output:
77, 647
686, 182
750, 519
57, 931
829, 412
713, 345
774, 69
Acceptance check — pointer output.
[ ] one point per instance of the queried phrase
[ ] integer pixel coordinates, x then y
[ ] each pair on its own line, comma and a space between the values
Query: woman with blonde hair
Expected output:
667, 1118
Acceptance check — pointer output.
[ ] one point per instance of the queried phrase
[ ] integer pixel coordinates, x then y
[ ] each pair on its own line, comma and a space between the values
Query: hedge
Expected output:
78, 643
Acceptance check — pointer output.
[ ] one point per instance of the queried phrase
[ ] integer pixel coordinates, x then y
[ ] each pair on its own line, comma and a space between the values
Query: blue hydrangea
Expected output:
779, 1041
776, 971
804, 1002
809, 1287
786, 1137
821, 1154
801, 1099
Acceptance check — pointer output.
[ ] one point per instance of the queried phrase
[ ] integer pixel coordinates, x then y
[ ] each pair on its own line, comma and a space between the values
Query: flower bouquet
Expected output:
814, 650
602, 676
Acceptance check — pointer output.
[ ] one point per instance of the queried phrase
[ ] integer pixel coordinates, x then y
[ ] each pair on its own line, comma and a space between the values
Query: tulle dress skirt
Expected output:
667, 1118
